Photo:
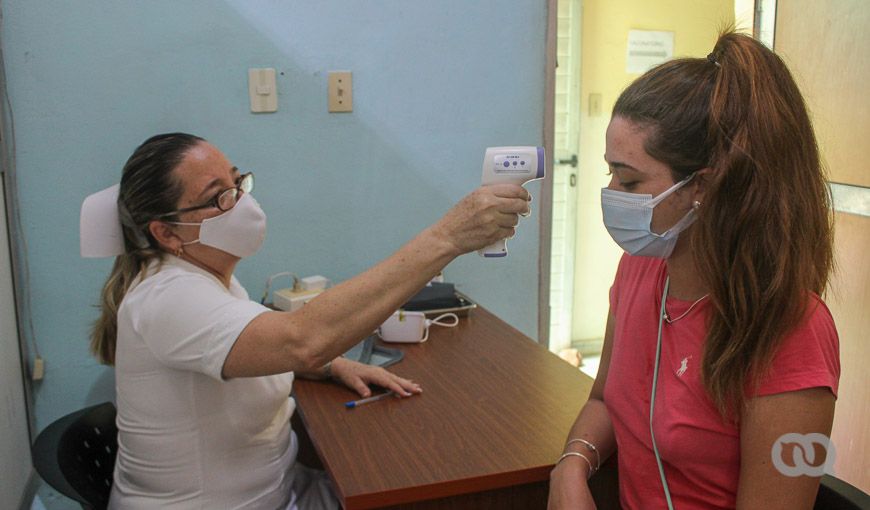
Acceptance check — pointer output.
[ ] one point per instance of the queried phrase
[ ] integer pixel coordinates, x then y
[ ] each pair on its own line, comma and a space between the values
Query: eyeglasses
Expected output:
224, 200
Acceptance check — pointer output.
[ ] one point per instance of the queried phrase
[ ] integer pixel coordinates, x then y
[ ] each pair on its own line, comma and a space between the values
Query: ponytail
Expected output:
126, 269
766, 242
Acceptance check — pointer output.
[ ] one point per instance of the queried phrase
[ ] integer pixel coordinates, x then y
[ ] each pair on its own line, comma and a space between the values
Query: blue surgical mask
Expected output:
628, 218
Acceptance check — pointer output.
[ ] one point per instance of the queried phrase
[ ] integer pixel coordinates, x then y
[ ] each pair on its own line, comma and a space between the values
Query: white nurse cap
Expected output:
100, 225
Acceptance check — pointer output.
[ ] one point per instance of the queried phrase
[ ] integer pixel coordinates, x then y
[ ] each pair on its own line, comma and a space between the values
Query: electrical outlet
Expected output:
38, 369
340, 91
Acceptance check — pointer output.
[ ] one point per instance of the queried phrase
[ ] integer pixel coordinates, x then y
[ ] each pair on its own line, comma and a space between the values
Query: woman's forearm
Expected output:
342, 315
330, 324
594, 426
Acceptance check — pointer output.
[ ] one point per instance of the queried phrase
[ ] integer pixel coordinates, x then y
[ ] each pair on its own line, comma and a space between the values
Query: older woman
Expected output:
717, 343
203, 373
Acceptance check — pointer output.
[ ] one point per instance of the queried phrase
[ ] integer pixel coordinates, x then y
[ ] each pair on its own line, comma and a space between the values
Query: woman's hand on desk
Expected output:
358, 376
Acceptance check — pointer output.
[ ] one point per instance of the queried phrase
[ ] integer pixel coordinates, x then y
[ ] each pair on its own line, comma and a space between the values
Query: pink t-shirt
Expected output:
700, 450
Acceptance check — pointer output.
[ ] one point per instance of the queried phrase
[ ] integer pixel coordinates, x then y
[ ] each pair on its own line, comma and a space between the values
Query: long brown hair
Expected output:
148, 189
763, 237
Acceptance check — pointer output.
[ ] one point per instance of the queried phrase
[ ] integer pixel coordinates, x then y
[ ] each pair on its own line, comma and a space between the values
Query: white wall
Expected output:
605, 29
15, 463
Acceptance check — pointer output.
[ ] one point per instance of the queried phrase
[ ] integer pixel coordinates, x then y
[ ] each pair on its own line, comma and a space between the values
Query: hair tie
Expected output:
126, 219
712, 58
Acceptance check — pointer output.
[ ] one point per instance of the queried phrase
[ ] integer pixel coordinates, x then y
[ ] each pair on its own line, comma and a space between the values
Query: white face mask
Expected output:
628, 218
239, 231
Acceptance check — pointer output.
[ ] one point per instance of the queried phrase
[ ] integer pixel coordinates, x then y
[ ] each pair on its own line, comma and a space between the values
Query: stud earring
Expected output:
179, 252
696, 204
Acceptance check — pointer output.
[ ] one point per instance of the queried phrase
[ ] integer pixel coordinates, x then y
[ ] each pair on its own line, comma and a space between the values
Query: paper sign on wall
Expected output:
647, 48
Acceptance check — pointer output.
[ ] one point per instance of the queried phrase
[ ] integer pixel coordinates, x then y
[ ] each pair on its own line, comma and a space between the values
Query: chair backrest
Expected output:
76, 454
835, 494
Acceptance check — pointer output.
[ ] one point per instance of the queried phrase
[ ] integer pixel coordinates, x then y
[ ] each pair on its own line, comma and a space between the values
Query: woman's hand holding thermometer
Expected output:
513, 165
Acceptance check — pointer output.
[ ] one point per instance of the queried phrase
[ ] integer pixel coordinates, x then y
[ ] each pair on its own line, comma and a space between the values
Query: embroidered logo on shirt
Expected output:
684, 365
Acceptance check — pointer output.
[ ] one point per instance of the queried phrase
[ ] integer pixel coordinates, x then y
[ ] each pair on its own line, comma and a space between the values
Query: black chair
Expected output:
835, 494
76, 455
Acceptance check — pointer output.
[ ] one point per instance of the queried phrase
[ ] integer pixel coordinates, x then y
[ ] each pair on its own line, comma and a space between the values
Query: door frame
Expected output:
546, 213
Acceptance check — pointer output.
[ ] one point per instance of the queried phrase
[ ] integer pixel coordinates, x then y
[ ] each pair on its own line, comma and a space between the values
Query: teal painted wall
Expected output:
434, 84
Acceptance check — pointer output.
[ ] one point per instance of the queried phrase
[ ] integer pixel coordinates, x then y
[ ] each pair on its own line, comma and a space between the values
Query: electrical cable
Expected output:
18, 249
276, 275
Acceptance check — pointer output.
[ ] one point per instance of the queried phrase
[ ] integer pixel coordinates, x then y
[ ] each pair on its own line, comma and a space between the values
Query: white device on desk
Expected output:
303, 291
412, 327
510, 165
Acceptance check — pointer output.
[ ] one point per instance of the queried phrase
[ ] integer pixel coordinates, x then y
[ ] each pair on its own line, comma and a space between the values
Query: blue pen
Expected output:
356, 403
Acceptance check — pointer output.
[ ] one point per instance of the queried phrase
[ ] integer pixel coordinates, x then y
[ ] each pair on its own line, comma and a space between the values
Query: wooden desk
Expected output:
492, 419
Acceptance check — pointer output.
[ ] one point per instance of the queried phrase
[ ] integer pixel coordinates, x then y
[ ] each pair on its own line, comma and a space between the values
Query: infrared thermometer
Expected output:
510, 165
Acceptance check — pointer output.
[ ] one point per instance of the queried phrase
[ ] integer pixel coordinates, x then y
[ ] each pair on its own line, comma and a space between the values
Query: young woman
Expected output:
719, 199
204, 374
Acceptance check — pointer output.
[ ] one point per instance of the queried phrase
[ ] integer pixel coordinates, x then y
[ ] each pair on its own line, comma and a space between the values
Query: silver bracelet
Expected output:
578, 454
589, 446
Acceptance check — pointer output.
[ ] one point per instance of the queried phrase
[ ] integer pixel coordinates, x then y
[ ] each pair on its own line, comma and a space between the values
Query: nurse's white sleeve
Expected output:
189, 321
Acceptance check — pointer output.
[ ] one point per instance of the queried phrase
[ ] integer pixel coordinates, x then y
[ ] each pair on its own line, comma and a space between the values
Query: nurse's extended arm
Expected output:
341, 316
568, 487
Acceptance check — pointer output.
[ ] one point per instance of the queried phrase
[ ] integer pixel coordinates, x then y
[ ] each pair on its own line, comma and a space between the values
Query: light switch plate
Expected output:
262, 90
595, 105
340, 91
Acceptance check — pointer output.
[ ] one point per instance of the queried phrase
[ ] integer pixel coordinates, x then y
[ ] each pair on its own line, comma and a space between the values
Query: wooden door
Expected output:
825, 44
